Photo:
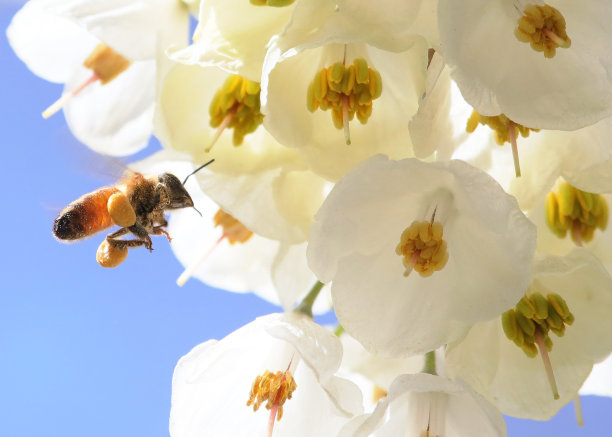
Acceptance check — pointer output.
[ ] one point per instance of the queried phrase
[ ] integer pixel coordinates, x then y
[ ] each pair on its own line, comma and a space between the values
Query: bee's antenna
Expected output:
197, 170
197, 210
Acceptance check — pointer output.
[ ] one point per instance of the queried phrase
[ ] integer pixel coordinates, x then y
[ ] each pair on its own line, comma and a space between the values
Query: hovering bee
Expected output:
137, 204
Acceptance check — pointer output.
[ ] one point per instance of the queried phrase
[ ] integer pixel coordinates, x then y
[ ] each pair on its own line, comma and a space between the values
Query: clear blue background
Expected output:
86, 351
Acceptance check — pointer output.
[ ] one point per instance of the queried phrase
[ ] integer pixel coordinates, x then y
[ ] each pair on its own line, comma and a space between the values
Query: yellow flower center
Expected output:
273, 388
233, 230
422, 248
536, 314
543, 27
274, 3
236, 105
502, 126
106, 63
346, 90
576, 211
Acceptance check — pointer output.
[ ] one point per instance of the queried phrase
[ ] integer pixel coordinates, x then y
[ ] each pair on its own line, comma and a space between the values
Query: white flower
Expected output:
211, 384
55, 37
362, 224
498, 74
424, 404
599, 382
518, 384
340, 36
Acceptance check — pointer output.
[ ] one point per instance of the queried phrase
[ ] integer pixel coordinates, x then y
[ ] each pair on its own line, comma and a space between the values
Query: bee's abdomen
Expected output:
85, 216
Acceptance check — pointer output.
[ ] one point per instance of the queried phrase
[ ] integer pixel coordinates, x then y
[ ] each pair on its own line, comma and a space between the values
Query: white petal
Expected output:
105, 118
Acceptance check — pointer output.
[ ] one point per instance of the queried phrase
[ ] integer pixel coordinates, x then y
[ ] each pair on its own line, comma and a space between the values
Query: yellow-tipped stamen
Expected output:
65, 98
233, 231
274, 389
547, 365
236, 106
578, 411
577, 212
505, 131
422, 247
273, 3
226, 121
543, 27
347, 91
515, 155
190, 270
106, 64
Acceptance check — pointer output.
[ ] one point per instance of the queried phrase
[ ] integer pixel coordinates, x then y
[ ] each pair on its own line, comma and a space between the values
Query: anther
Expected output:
235, 105
422, 247
347, 91
273, 3
274, 389
106, 64
576, 211
505, 131
543, 27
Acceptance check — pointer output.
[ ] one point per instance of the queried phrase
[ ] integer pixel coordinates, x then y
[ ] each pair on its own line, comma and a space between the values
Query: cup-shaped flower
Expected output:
72, 42
211, 384
429, 405
498, 73
519, 384
339, 88
363, 241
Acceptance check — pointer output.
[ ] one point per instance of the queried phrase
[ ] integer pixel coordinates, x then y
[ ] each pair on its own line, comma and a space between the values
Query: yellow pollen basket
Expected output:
106, 63
543, 27
273, 3
233, 230
236, 105
423, 249
576, 211
536, 312
345, 88
275, 388
500, 124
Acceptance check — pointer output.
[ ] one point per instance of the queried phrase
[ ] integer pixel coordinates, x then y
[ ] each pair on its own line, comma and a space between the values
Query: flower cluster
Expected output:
357, 167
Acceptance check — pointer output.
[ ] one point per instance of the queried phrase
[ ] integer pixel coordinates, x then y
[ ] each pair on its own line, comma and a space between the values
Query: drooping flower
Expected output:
468, 242
498, 73
102, 51
337, 85
429, 405
564, 316
286, 361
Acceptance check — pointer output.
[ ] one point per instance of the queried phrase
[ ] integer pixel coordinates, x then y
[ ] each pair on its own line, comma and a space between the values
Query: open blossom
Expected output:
418, 252
339, 88
103, 52
429, 405
559, 81
211, 384
572, 327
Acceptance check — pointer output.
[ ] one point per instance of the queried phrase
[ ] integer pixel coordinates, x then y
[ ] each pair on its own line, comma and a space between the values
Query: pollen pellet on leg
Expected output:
110, 255
106, 63
121, 210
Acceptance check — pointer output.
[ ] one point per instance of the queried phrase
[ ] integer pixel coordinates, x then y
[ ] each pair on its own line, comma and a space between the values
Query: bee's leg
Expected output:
142, 241
157, 230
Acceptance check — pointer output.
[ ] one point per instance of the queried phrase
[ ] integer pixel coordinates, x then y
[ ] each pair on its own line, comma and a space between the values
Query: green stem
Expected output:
430, 363
305, 307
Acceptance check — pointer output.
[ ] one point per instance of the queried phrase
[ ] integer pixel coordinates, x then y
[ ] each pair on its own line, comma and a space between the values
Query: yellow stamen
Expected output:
543, 27
106, 64
576, 211
423, 248
505, 131
273, 388
236, 106
233, 230
345, 90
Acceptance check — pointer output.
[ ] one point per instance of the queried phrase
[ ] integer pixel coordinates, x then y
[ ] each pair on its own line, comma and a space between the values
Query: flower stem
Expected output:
305, 307
430, 363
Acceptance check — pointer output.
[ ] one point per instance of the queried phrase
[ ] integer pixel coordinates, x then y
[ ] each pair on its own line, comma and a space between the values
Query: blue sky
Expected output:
90, 351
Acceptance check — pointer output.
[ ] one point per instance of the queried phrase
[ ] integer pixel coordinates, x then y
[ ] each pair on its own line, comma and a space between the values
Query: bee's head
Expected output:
179, 197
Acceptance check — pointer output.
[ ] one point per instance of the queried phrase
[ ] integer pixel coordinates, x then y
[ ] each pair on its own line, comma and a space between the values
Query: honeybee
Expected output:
137, 204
